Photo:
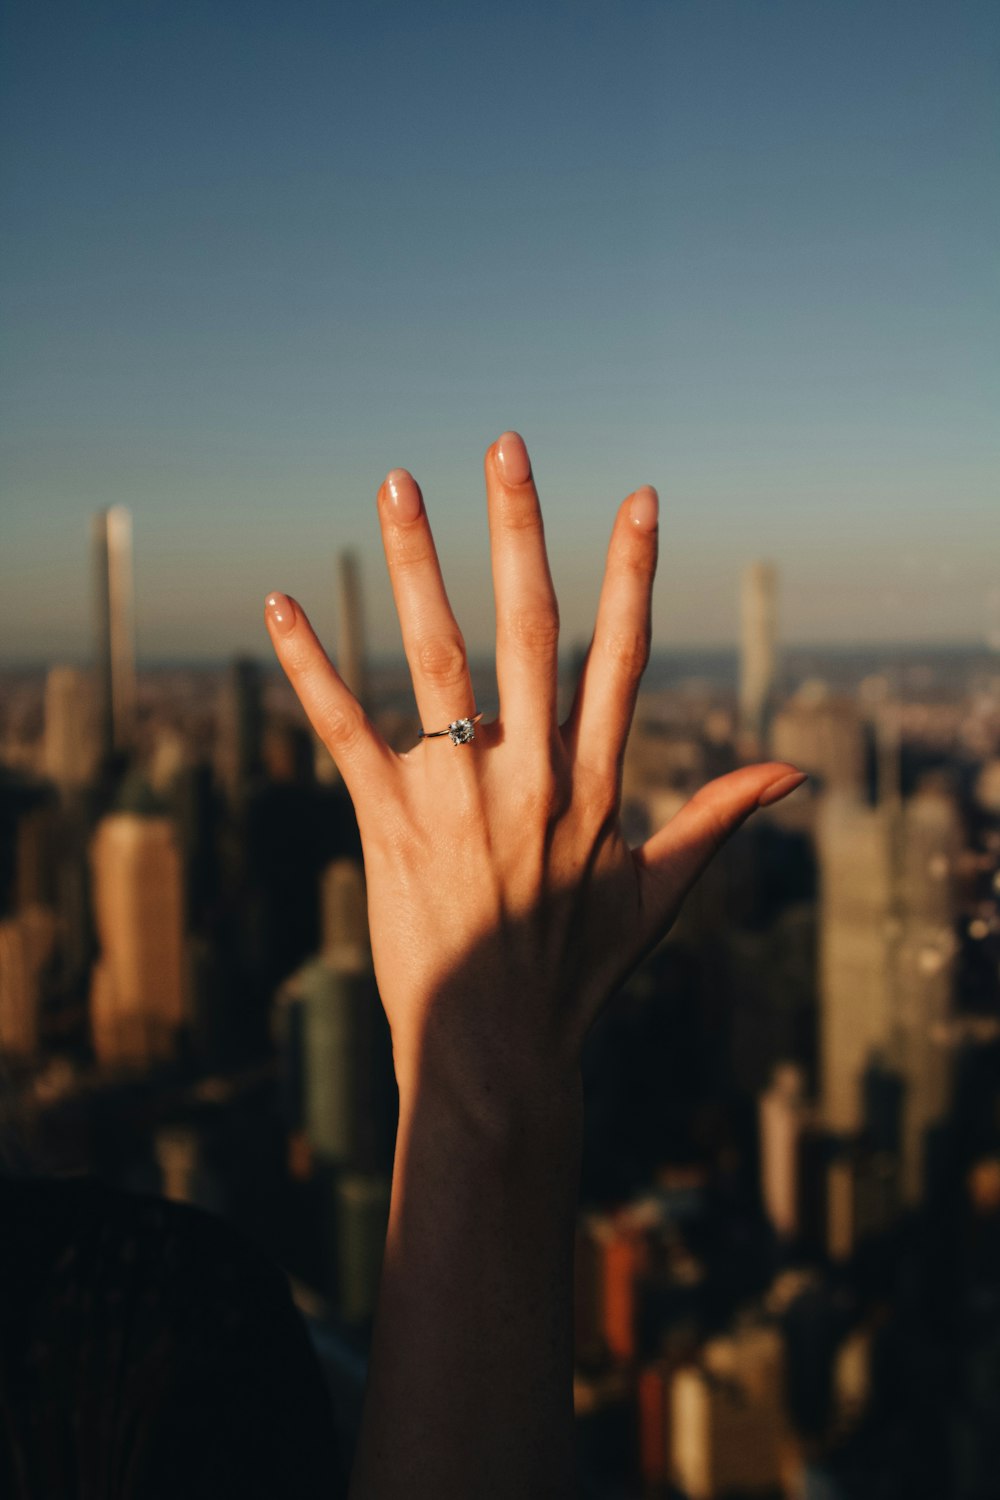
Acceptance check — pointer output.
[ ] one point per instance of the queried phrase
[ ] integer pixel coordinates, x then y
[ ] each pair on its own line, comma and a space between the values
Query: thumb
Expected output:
670, 861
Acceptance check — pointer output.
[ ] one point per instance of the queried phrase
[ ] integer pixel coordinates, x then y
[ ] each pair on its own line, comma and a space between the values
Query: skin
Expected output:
506, 909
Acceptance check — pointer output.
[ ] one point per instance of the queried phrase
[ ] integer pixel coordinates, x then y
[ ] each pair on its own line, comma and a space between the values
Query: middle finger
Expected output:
527, 612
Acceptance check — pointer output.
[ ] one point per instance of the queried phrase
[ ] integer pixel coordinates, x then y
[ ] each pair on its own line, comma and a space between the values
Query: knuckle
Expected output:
441, 659
535, 630
628, 650
536, 804
520, 512
343, 727
410, 549
637, 557
543, 796
716, 829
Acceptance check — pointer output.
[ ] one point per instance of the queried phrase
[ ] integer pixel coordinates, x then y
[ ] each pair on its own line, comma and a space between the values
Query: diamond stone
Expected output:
462, 731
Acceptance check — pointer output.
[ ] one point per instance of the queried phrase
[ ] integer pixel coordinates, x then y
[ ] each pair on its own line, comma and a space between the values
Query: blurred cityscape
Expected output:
788, 1247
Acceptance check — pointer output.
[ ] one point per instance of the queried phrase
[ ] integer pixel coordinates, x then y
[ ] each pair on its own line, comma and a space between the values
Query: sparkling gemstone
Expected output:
462, 731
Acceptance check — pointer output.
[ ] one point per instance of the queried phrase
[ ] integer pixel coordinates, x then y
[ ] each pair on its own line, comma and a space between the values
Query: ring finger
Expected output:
432, 640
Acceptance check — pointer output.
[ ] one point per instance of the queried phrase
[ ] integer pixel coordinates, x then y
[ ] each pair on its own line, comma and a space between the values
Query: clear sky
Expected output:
256, 254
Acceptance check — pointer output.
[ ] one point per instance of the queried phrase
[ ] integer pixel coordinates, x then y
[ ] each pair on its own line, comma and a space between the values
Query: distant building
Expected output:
362, 1209
351, 653
334, 1038
858, 930
139, 998
116, 690
758, 629
344, 913
783, 1115
177, 1151
70, 745
727, 1419
26, 944
931, 841
888, 909
239, 743
824, 735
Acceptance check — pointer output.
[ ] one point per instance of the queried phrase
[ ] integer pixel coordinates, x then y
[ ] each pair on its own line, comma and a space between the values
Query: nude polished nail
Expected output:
644, 511
281, 612
403, 495
781, 788
512, 459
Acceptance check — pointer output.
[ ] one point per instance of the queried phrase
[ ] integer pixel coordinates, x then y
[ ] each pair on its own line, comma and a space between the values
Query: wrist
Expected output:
494, 1117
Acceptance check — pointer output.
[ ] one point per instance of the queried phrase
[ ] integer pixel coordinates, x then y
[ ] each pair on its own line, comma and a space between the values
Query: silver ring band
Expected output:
460, 731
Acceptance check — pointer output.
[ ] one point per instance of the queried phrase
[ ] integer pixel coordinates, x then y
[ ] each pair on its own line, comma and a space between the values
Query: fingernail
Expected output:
512, 459
645, 508
781, 788
281, 611
404, 497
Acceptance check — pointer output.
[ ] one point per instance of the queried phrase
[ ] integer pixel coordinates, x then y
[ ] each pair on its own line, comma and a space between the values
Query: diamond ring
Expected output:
460, 731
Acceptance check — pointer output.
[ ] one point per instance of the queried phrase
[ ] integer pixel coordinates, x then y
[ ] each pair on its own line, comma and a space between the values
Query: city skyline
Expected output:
253, 260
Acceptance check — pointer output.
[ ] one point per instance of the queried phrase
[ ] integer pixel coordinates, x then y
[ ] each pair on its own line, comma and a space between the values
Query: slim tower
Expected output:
112, 533
758, 611
241, 726
351, 662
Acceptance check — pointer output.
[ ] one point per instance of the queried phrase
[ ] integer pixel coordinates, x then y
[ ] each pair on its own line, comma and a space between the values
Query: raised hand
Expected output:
509, 846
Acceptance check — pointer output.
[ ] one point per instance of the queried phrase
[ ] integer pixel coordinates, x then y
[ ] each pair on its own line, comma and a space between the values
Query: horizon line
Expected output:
384, 660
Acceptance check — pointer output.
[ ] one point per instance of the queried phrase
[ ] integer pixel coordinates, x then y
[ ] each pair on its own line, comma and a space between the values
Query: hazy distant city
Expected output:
788, 1250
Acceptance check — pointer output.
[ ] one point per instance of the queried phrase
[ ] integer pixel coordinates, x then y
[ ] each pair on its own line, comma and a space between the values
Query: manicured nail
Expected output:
512, 459
645, 508
781, 788
281, 611
404, 497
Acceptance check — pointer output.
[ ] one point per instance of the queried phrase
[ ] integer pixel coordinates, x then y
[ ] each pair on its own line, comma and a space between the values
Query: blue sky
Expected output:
254, 255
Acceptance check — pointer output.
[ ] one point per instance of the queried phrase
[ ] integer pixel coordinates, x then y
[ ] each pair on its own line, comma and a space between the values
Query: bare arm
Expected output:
505, 909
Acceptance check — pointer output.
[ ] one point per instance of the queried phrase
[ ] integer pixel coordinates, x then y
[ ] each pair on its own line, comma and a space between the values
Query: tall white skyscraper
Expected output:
116, 695
758, 632
887, 958
858, 934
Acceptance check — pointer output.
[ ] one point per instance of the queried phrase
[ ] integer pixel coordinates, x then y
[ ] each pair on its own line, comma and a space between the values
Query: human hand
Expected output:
505, 905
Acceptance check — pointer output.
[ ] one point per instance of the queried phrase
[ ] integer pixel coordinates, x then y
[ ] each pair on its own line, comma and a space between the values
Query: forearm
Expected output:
471, 1374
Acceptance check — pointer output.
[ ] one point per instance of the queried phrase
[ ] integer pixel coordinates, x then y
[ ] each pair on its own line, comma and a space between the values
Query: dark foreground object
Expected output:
148, 1351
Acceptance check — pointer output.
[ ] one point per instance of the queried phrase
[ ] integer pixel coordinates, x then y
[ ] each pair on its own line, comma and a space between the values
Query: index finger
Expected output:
332, 709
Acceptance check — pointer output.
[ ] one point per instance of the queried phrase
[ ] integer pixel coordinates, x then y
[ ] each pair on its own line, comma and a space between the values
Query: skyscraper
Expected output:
932, 838
116, 699
823, 734
758, 611
858, 931
782, 1116
139, 997
26, 942
887, 963
241, 726
70, 741
351, 657
727, 1416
